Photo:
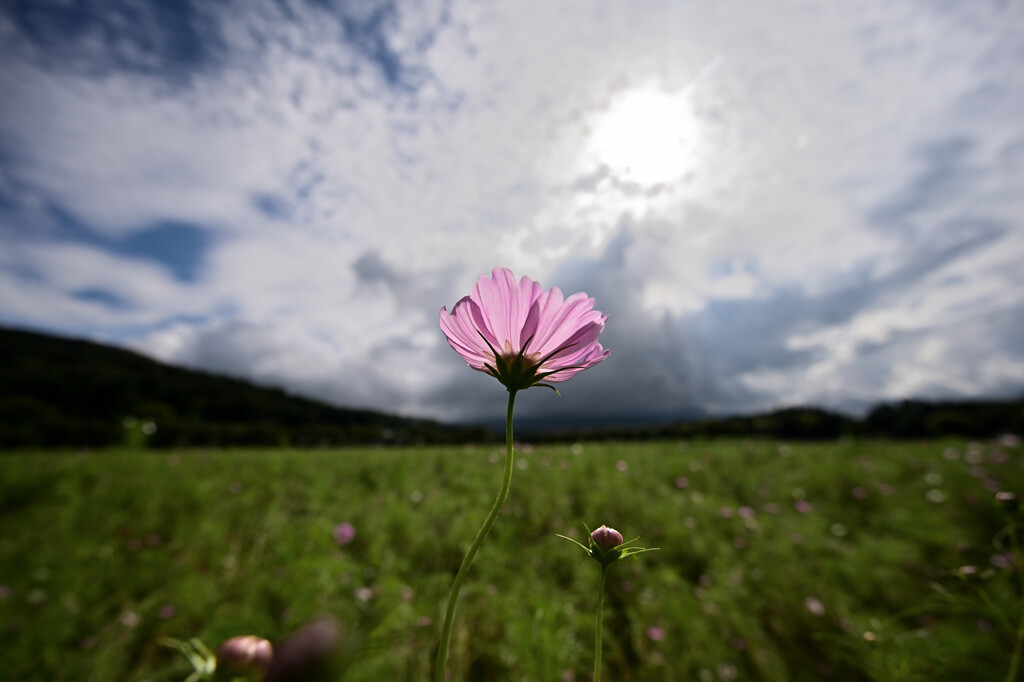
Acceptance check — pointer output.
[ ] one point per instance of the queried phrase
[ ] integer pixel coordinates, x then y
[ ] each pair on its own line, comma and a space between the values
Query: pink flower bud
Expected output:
606, 538
245, 654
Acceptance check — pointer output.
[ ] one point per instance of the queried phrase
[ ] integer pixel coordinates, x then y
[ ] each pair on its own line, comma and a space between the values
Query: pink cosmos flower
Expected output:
656, 634
522, 335
344, 533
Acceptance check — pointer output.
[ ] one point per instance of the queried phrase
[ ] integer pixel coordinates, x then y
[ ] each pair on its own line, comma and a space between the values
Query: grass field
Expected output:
833, 561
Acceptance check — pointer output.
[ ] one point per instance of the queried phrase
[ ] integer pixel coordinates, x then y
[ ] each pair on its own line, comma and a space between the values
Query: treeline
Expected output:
57, 392
908, 419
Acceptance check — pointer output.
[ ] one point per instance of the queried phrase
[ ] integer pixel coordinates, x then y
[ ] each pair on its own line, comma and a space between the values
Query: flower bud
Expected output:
245, 654
606, 538
605, 546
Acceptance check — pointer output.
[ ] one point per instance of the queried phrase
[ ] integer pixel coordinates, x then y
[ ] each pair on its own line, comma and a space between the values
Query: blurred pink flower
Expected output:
344, 533
522, 335
307, 654
814, 605
656, 634
803, 506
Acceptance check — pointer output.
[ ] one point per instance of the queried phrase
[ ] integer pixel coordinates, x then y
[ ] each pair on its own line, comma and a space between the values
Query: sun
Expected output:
646, 135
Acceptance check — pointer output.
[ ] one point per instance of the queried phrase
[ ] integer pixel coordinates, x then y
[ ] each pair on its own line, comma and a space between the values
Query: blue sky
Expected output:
776, 203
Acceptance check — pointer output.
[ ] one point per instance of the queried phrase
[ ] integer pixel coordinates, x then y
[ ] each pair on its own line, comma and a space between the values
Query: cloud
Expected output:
290, 191
163, 40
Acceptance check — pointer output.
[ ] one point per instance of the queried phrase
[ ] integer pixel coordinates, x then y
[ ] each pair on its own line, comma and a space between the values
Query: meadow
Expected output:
818, 561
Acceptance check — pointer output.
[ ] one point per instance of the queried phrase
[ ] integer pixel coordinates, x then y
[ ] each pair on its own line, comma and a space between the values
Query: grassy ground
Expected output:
834, 561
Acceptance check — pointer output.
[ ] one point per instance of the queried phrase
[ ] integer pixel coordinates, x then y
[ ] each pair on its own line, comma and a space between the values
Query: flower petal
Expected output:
504, 306
463, 335
560, 320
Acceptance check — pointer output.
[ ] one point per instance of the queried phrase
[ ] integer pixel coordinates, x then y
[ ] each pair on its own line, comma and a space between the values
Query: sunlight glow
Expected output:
646, 136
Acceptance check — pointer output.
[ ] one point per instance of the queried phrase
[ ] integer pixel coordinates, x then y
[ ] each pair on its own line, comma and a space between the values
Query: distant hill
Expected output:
58, 392
907, 419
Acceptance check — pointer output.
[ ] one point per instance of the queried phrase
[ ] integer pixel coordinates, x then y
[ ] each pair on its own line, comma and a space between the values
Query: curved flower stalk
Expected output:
523, 336
605, 546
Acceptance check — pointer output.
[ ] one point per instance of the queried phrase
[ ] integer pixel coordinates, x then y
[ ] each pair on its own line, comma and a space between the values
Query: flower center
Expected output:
520, 359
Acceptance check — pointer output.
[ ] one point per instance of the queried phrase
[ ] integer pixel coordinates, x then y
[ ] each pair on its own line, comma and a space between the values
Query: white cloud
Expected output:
845, 206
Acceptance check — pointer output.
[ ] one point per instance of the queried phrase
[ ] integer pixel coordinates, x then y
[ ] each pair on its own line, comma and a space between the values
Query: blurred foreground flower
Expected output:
1008, 502
523, 335
312, 654
308, 655
246, 654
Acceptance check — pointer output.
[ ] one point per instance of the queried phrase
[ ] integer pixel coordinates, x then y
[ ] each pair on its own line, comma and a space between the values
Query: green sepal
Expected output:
518, 373
203, 661
575, 542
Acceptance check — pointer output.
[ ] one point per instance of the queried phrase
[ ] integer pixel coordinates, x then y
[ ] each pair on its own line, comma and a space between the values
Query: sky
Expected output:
776, 203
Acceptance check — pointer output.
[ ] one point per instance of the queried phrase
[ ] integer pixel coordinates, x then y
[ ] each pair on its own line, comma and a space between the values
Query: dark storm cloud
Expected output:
670, 367
168, 40
180, 248
175, 41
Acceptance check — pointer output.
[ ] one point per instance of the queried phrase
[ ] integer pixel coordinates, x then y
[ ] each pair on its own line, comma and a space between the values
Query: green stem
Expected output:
441, 664
1011, 676
599, 624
